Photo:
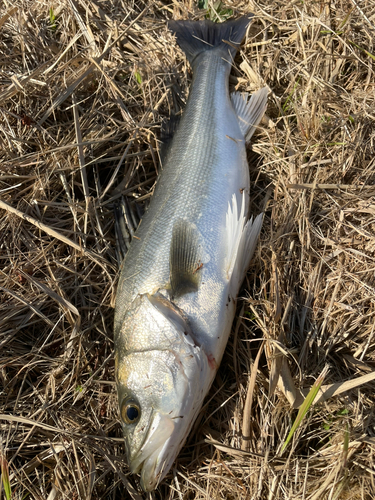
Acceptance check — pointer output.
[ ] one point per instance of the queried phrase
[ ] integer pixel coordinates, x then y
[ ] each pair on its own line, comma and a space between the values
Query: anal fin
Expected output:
242, 238
184, 258
248, 243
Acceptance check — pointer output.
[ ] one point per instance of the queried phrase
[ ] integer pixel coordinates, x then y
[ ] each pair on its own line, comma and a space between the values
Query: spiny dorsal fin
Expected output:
249, 112
184, 258
127, 218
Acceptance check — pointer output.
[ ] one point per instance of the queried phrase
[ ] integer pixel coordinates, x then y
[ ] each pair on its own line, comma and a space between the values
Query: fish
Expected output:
180, 278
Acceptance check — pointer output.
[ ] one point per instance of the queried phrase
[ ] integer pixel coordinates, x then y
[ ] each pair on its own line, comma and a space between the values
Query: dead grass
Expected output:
84, 88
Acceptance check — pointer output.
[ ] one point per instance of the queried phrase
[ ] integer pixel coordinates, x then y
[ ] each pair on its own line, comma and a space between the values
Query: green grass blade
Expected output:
52, 19
5, 476
363, 50
203, 4
289, 98
346, 18
138, 77
306, 405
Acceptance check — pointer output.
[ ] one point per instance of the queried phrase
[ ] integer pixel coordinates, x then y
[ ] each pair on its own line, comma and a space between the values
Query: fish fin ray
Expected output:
235, 221
249, 111
242, 238
184, 258
195, 37
126, 222
248, 243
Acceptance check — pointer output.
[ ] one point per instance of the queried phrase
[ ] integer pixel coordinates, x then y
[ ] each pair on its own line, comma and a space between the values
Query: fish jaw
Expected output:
169, 409
165, 375
151, 458
154, 460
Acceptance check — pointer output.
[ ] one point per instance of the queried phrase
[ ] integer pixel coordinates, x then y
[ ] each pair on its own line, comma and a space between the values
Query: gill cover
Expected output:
162, 378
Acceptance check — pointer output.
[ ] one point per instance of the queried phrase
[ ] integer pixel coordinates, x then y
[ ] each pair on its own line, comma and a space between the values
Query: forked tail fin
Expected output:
195, 37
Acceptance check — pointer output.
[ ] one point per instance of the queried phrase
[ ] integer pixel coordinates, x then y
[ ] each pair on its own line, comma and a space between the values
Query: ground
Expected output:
84, 89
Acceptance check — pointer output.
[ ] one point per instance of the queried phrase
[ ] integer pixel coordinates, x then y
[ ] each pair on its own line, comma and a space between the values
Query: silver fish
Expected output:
180, 278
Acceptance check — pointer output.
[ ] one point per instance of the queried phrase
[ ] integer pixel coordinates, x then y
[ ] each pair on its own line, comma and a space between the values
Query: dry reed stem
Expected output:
84, 88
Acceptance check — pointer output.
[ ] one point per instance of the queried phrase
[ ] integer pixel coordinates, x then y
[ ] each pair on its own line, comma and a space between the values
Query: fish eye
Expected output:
130, 411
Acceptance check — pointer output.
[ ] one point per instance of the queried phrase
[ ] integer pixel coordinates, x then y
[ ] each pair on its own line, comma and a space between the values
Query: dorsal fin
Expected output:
249, 112
184, 258
127, 218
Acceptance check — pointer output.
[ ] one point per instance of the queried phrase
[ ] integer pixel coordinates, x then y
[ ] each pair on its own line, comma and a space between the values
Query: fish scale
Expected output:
191, 174
180, 278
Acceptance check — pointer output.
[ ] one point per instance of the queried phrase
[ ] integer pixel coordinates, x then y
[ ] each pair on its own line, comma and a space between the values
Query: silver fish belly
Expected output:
180, 278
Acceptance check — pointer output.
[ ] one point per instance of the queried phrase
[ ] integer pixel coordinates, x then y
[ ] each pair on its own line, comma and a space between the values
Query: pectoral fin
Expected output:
184, 258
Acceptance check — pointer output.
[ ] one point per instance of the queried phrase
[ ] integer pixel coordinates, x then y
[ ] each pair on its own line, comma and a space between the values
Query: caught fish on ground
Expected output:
180, 278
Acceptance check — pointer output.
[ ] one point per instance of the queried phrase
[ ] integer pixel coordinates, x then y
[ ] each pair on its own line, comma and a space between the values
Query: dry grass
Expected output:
84, 88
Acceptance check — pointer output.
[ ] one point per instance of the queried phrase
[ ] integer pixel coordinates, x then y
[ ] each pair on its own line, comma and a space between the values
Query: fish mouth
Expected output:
154, 455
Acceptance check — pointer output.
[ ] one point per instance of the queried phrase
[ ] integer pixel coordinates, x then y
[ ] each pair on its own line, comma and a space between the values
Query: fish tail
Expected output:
196, 37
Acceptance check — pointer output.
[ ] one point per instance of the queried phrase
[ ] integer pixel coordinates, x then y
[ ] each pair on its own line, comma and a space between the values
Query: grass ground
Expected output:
84, 87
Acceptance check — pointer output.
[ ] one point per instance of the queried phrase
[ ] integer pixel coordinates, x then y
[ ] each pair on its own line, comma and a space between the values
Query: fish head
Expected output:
160, 390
